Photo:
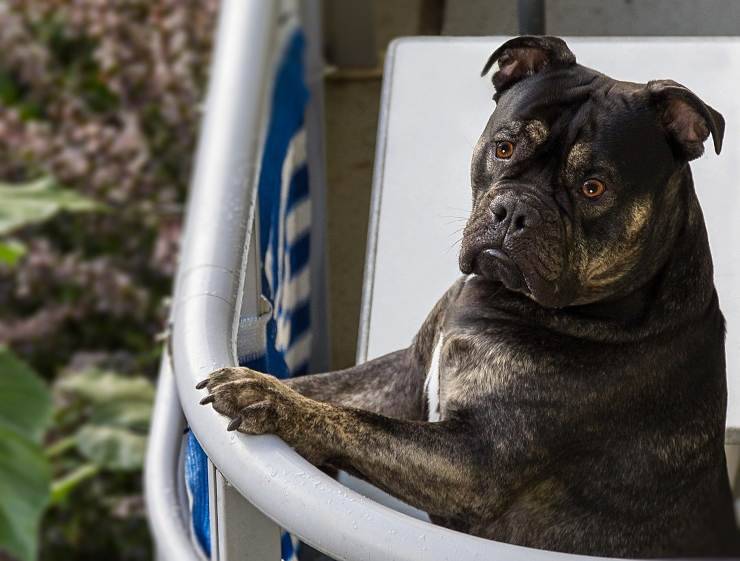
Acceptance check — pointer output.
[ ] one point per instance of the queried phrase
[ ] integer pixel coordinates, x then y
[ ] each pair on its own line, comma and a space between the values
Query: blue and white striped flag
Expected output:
286, 265
285, 226
285, 219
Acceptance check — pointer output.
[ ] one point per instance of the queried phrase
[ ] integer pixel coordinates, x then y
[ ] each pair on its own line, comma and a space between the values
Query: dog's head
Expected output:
580, 182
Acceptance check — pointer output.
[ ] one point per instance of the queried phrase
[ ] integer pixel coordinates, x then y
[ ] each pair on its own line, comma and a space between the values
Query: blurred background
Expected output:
99, 113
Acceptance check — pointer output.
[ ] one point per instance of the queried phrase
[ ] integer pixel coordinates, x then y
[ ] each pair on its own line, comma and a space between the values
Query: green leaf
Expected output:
135, 415
25, 410
25, 401
36, 201
100, 386
119, 411
113, 448
11, 252
24, 493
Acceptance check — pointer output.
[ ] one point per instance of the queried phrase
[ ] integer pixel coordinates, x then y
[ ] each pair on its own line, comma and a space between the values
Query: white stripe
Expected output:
431, 384
299, 352
295, 156
298, 221
284, 331
299, 289
268, 265
296, 292
293, 293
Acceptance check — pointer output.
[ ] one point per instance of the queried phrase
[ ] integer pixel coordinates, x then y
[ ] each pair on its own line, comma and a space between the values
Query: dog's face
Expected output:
578, 179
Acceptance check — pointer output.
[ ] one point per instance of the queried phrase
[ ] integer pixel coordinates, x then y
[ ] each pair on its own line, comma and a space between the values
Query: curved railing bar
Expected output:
267, 472
161, 474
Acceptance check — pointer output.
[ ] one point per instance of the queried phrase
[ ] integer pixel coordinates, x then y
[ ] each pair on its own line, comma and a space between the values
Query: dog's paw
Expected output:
255, 402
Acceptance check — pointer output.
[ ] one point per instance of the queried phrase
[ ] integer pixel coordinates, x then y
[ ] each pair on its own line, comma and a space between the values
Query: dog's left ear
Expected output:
686, 118
524, 56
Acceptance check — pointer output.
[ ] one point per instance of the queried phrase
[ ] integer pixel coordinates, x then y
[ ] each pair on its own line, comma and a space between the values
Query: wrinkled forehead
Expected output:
604, 118
546, 95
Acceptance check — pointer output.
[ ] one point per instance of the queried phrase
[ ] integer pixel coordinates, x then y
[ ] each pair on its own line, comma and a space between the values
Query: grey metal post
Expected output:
320, 345
531, 15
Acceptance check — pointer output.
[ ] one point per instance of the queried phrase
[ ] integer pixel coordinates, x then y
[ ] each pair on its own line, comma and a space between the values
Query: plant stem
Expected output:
63, 486
61, 446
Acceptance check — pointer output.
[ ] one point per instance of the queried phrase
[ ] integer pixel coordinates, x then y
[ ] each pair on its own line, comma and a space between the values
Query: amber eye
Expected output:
504, 149
593, 188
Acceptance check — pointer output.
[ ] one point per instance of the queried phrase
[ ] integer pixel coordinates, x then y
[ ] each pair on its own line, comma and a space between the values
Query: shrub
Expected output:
102, 98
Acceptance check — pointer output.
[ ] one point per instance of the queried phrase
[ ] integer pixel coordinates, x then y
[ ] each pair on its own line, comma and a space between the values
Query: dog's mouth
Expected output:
495, 264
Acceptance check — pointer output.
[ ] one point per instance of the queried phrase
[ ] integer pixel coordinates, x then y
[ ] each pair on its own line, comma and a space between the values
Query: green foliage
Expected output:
105, 98
101, 423
30, 203
112, 447
24, 487
25, 404
37, 201
101, 388
101, 420
99, 437
117, 412
10, 252
25, 408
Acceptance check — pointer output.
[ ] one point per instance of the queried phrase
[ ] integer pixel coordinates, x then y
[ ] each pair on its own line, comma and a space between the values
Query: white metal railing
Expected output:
163, 474
277, 484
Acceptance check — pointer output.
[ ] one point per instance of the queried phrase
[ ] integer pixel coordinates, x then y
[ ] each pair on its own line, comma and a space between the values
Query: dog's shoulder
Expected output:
482, 347
427, 336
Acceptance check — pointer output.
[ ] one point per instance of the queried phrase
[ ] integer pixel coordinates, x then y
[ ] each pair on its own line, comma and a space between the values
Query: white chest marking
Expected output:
431, 384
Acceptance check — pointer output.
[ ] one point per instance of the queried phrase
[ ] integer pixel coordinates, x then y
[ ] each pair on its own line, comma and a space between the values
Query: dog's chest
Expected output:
431, 384
463, 371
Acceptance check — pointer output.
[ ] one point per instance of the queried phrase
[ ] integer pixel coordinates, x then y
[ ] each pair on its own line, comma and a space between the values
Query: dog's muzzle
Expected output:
517, 239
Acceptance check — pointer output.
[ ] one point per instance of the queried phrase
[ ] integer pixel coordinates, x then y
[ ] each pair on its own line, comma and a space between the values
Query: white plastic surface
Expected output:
433, 113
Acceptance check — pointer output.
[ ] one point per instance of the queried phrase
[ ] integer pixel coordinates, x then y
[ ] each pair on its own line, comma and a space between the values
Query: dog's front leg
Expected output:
390, 385
429, 465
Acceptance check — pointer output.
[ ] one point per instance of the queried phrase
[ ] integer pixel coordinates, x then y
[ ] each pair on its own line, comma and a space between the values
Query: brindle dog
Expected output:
577, 373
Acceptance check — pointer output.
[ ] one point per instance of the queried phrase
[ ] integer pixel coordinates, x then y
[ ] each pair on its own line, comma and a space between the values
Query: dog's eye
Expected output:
504, 149
593, 188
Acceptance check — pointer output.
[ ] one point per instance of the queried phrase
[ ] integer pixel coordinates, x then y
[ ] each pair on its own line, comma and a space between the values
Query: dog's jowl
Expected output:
568, 392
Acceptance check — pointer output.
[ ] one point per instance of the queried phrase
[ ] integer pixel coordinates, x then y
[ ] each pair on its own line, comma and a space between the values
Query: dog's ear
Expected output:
525, 56
686, 118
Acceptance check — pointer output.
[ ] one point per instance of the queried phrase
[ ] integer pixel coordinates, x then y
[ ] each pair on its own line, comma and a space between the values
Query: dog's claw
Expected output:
207, 399
202, 384
234, 424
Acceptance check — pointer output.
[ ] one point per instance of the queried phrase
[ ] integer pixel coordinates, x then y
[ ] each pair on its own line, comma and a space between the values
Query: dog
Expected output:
568, 392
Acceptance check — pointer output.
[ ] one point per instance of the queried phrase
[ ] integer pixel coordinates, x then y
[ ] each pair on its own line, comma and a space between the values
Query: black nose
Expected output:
513, 215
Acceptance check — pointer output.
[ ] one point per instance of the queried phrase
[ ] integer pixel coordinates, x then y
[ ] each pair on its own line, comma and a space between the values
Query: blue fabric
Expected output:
290, 97
298, 252
255, 364
289, 100
287, 550
298, 187
300, 320
196, 478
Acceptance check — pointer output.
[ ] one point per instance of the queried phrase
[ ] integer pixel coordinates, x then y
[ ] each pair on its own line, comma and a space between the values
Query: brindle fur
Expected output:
583, 405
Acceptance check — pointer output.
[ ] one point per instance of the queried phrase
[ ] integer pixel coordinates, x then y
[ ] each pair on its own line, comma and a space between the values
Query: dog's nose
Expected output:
513, 215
